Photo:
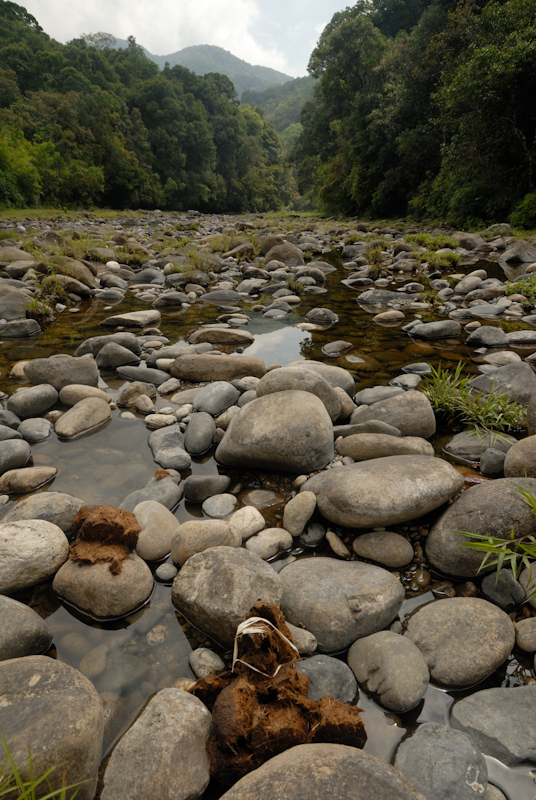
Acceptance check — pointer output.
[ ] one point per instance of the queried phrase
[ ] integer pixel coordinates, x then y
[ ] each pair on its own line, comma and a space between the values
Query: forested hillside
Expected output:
85, 124
426, 108
282, 105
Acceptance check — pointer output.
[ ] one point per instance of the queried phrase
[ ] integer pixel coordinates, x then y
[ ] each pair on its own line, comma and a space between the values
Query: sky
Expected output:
274, 33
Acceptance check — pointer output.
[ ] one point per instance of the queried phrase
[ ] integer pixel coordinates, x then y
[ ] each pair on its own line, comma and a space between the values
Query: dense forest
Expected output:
424, 108
282, 105
84, 123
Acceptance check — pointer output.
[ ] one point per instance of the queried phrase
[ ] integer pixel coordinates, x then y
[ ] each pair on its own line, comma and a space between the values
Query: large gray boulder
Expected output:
167, 447
443, 764
392, 667
517, 380
463, 639
216, 397
197, 535
61, 370
30, 551
163, 756
208, 367
288, 430
288, 254
335, 376
442, 329
166, 491
494, 509
215, 589
384, 491
95, 343
23, 632
324, 772
56, 507
364, 446
13, 301
291, 378
14, 453
502, 721
410, 412
339, 601
84, 416
55, 711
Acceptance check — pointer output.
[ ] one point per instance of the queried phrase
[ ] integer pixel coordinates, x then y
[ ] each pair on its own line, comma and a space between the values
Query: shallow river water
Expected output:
149, 649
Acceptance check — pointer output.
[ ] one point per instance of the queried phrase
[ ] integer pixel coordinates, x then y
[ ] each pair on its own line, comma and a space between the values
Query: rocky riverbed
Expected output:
201, 412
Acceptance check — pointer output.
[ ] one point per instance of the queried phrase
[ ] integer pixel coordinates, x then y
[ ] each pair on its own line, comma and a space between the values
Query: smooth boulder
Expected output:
384, 491
410, 412
23, 632
84, 416
30, 551
289, 430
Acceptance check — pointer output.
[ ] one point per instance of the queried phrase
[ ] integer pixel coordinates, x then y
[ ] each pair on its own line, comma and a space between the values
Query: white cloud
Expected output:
163, 26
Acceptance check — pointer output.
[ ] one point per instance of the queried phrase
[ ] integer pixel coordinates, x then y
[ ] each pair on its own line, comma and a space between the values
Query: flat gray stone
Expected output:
26, 479
463, 639
30, 551
166, 491
216, 397
58, 508
517, 380
443, 764
384, 491
339, 601
167, 447
84, 416
329, 678
198, 535
335, 376
365, 446
158, 525
133, 319
20, 329
502, 722
216, 589
294, 378
35, 430
443, 329
144, 374
14, 453
197, 488
114, 355
200, 433
55, 711
385, 547
23, 632
324, 772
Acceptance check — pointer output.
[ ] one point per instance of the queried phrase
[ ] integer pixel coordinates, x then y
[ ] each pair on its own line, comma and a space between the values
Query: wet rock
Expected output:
30, 551
517, 380
207, 367
384, 491
95, 590
220, 506
14, 453
167, 447
23, 631
20, 329
57, 712
288, 430
84, 416
198, 488
204, 662
329, 678
114, 355
7, 433
443, 764
95, 343
216, 589
157, 528
463, 639
246, 522
221, 336
216, 398
443, 329
323, 771
321, 316
25, 480
13, 302
133, 319
520, 251
9, 419
73, 393
487, 336
32, 401
293, 378
166, 491
502, 589
410, 412
166, 572
56, 507
35, 430
339, 601
198, 535
288, 254
377, 393
501, 721
392, 667
365, 446
131, 392
200, 433
521, 459
163, 755
143, 374
61, 370
269, 542
298, 512
386, 548
489, 508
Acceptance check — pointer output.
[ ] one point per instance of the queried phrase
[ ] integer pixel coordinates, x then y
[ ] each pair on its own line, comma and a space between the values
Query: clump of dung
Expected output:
260, 707
104, 534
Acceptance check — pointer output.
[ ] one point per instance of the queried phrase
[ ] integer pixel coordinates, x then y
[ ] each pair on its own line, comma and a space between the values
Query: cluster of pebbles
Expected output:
362, 479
